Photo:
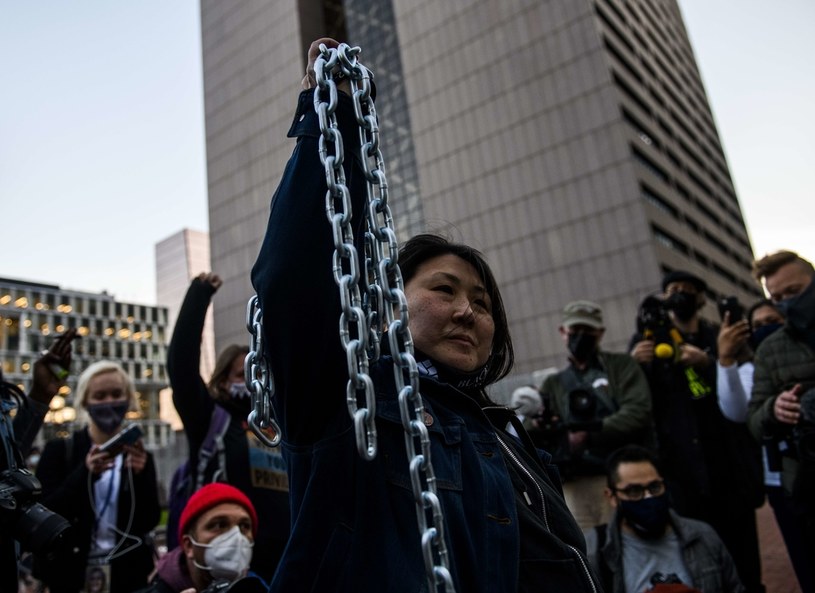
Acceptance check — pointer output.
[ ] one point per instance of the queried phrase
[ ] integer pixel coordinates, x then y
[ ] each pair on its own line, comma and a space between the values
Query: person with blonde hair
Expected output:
110, 499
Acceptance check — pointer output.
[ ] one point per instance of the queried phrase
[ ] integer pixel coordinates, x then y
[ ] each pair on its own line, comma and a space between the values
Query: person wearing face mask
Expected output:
110, 500
239, 459
707, 459
618, 412
355, 520
647, 546
217, 532
737, 342
782, 395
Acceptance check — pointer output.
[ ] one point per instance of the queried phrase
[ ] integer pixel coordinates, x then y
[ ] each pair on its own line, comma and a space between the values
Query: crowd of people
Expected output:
623, 472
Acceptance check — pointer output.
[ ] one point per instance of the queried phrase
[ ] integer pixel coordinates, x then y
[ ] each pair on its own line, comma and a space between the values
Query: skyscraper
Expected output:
570, 140
179, 258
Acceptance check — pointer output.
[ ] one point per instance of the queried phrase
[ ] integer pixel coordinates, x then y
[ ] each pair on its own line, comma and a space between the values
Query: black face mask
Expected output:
763, 332
800, 313
683, 304
648, 517
582, 346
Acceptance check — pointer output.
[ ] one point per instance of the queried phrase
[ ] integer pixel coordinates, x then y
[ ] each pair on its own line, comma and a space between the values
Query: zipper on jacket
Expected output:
529, 475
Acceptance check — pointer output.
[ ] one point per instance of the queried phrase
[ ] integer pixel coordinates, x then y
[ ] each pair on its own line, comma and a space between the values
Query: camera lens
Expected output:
581, 402
41, 531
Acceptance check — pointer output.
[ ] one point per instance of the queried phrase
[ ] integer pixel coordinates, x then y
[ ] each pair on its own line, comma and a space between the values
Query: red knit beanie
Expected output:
212, 495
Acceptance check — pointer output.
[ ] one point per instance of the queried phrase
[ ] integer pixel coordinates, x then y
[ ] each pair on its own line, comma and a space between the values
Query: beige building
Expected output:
570, 140
179, 258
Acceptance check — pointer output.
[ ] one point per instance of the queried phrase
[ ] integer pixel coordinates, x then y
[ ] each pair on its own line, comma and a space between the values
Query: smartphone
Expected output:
732, 305
129, 435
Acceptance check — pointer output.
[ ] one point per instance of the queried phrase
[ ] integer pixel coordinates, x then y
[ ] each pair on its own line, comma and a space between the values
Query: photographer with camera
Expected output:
601, 401
737, 342
708, 459
109, 496
22, 518
782, 406
216, 531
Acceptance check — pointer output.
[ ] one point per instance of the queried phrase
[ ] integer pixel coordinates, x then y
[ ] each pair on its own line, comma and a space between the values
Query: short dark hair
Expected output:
423, 247
627, 454
770, 264
758, 305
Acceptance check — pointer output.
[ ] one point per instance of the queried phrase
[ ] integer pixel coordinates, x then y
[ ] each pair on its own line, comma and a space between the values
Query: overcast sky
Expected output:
102, 134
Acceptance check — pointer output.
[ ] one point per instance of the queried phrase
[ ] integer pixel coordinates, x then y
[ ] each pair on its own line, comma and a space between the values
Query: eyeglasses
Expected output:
637, 491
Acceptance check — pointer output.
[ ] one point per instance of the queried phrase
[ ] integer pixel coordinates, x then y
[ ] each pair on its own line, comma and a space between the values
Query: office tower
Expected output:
133, 335
180, 258
569, 140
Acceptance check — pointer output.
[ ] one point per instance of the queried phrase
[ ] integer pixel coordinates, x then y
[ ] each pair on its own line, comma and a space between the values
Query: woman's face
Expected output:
106, 388
235, 372
450, 313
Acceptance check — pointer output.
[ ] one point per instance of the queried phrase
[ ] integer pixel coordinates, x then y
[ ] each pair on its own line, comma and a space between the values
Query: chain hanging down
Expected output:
385, 301
259, 381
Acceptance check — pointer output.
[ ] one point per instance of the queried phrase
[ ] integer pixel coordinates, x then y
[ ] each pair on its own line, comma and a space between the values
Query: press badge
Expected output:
97, 576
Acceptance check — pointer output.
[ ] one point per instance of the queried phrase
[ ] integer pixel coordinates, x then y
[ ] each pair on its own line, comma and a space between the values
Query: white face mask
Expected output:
227, 556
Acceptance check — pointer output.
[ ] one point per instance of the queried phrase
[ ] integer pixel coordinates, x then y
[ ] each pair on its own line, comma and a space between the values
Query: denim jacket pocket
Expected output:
445, 449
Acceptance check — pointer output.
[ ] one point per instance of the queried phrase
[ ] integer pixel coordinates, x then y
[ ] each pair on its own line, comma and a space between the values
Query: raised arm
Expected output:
295, 284
190, 395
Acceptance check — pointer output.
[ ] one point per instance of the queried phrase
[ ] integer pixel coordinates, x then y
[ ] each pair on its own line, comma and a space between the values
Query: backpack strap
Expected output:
213, 444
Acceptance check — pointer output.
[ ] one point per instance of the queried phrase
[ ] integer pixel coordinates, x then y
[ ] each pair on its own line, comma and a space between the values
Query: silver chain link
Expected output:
361, 320
385, 302
259, 381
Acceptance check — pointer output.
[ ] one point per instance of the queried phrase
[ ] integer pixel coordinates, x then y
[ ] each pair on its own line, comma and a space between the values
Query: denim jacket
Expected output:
354, 522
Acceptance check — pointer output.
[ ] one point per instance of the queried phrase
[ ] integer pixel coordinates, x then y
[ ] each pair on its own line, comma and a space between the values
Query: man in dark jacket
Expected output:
603, 401
782, 406
647, 546
708, 459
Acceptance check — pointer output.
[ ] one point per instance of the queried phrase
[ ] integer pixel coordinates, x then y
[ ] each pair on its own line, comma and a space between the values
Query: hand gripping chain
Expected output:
361, 320
385, 301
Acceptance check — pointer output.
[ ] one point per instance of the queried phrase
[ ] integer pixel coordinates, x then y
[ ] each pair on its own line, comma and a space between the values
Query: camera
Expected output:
654, 323
38, 530
34, 526
583, 408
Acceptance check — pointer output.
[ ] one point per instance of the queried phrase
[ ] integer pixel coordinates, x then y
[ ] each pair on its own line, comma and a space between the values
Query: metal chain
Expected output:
385, 302
259, 380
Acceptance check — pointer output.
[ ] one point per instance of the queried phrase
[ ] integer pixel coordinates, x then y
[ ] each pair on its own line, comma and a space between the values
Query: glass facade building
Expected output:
31, 314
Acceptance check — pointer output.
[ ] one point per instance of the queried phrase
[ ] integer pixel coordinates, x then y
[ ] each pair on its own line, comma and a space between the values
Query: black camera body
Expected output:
22, 518
582, 411
654, 323
34, 526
